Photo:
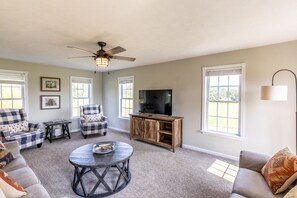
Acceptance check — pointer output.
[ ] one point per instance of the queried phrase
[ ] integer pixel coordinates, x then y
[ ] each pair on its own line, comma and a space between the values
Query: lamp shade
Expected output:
101, 61
275, 92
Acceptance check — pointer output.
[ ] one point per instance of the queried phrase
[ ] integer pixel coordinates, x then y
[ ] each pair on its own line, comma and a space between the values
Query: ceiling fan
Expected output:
103, 57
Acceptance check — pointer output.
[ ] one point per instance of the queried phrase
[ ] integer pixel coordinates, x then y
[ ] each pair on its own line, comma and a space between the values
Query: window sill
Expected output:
123, 118
218, 134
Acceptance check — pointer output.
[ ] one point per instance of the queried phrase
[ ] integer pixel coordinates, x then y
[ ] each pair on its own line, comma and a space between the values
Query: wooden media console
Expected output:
165, 131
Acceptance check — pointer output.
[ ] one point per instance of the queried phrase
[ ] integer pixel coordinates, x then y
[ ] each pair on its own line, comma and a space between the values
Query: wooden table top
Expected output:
52, 123
84, 156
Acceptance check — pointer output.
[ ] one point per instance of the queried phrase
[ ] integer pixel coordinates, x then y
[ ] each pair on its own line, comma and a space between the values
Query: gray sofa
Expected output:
19, 170
249, 181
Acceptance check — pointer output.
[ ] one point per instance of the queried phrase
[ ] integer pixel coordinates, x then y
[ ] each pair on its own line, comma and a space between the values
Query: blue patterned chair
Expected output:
92, 120
14, 126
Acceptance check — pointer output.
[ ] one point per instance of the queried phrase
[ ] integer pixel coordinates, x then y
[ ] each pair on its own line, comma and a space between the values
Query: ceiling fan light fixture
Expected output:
101, 61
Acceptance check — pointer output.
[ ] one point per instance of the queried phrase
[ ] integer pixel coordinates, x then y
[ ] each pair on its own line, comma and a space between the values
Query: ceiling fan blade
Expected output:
123, 58
115, 50
81, 57
81, 49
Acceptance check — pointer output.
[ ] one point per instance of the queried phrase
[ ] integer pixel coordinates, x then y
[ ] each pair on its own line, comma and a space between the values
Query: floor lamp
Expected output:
279, 93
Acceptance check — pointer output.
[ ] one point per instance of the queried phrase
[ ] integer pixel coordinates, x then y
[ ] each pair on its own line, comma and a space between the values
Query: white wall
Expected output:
269, 126
35, 71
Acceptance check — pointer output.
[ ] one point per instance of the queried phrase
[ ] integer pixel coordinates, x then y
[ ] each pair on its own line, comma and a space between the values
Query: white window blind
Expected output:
12, 78
223, 72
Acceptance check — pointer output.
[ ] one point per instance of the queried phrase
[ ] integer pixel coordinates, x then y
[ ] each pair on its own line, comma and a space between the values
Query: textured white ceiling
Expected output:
152, 31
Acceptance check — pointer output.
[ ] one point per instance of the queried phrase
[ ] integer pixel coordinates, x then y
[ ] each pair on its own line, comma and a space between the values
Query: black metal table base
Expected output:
78, 184
50, 132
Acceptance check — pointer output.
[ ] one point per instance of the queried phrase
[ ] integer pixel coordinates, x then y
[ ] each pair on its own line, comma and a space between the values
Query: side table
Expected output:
50, 133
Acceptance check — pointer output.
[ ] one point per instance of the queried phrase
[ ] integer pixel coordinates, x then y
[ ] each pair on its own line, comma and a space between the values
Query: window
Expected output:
223, 99
125, 96
12, 89
81, 93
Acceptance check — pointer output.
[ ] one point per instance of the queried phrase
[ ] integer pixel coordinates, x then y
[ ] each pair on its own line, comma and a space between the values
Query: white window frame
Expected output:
25, 90
122, 80
241, 102
72, 78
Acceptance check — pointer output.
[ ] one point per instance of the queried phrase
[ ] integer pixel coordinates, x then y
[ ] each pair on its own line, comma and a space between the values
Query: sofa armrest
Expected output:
35, 127
6, 135
82, 120
13, 147
252, 161
103, 118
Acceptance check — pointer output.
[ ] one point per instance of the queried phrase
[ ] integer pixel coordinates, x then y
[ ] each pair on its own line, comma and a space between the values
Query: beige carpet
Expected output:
156, 172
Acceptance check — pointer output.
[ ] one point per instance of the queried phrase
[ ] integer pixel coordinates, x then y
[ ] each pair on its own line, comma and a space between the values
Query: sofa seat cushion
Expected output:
28, 139
25, 176
99, 125
250, 183
36, 190
17, 163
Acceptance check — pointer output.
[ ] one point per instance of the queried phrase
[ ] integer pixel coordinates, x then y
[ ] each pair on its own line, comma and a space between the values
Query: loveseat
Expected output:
249, 181
15, 126
23, 174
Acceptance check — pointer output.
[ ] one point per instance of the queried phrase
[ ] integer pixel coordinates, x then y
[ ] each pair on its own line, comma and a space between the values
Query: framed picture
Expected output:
50, 84
50, 102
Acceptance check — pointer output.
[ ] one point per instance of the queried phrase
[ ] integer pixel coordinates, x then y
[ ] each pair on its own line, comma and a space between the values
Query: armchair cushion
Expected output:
92, 118
10, 116
27, 139
90, 109
15, 127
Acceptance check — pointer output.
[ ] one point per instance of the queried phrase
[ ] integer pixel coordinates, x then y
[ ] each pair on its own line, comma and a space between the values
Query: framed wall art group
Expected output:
50, 84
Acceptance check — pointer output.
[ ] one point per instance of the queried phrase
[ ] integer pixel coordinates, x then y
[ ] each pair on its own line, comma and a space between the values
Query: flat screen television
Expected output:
155, 101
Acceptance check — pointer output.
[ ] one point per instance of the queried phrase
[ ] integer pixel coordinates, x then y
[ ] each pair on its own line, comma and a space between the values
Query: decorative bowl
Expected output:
103, 148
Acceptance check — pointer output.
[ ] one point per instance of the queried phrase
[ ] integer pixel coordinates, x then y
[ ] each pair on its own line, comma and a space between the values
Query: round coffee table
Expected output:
114, 164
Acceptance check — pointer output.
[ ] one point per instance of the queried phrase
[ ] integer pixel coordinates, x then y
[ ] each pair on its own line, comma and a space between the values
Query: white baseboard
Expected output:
210, 152
74, 130
118, 129
191, 147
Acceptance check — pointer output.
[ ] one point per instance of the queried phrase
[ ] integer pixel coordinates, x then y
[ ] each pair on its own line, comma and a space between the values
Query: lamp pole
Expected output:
295, 93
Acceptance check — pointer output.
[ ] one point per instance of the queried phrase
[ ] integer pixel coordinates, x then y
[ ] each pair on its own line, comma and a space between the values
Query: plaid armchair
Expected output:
14, 126
98, 125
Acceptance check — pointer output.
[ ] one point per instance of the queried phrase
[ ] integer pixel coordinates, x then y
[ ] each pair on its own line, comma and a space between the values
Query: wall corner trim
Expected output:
210, 152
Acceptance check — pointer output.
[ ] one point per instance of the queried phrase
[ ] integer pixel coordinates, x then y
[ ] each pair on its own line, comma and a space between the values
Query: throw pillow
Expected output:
10, 187
92, 118
16, 127
5, 156
2, 194
292, 193
280, 171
